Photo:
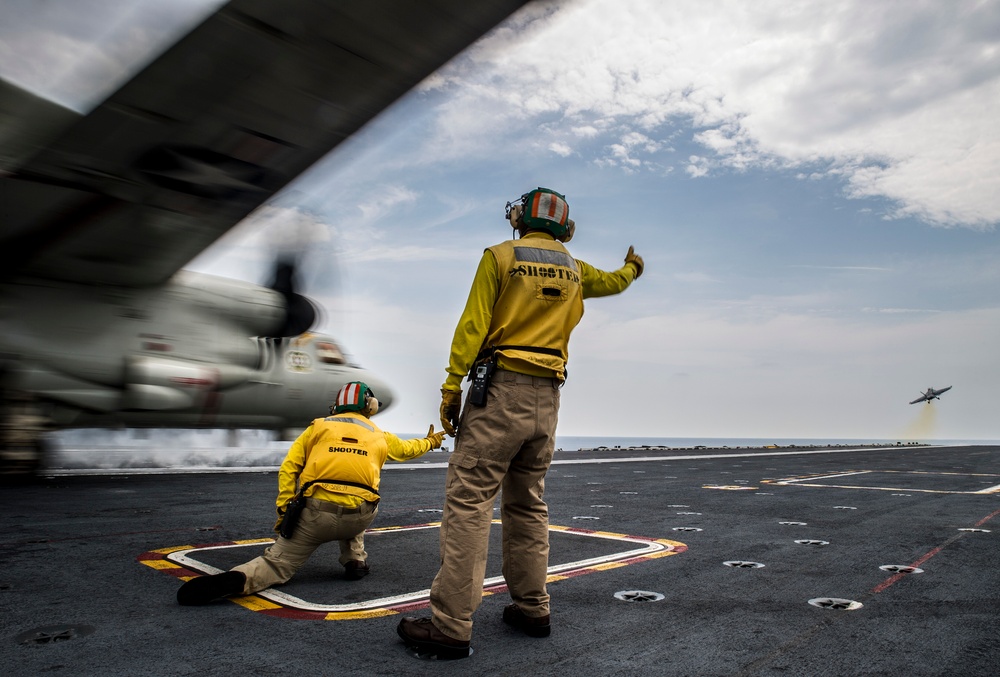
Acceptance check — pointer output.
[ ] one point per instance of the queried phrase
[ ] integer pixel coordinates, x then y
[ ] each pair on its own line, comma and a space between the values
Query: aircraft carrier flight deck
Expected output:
790, 561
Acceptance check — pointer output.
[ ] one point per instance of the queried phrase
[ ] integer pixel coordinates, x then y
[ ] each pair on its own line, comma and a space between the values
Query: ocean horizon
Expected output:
213, 448
572, 442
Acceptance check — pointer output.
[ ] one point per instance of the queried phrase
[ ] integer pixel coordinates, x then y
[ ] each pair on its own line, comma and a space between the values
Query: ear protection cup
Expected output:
570, 230
514, 216
371, 406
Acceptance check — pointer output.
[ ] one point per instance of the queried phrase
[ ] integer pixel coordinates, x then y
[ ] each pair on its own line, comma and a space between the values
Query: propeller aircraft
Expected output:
99, 323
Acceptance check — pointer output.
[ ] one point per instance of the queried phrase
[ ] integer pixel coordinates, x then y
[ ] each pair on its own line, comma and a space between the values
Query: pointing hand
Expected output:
635, 259
436, 438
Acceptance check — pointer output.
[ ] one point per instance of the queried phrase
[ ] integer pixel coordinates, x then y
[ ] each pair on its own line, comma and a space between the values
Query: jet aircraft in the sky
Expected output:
931, 394
99, 326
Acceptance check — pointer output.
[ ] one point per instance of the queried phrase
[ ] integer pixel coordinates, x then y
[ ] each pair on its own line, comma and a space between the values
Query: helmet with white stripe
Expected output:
356, 396
542, 209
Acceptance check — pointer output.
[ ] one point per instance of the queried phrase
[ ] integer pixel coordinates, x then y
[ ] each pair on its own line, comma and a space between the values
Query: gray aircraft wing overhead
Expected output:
261, 90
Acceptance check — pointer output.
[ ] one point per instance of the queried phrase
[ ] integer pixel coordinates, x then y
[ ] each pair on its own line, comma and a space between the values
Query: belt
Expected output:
505, 376
336, 508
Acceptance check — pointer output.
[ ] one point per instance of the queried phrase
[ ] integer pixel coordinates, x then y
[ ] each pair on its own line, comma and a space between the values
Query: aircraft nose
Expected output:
380, 387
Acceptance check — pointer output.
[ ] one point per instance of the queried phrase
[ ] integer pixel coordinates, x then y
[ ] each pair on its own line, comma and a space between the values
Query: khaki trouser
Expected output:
321, 522
508, 443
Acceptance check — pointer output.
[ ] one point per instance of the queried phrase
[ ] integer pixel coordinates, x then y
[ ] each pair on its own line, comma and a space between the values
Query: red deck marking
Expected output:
896, 577
987, 518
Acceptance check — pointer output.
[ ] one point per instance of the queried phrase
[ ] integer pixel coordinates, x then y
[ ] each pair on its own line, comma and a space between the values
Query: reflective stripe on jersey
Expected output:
547, 256
352, 421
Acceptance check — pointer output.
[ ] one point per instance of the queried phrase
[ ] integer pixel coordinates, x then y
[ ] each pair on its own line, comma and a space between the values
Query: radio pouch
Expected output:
293, 511
481, 376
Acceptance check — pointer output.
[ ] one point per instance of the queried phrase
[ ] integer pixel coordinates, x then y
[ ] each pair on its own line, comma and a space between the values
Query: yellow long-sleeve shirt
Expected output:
474, 324
291, 467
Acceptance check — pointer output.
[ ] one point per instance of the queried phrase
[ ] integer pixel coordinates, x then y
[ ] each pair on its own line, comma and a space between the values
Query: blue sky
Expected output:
814, 188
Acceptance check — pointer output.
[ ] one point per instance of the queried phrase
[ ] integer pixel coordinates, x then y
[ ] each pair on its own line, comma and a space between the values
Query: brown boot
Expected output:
532, 627
423, 636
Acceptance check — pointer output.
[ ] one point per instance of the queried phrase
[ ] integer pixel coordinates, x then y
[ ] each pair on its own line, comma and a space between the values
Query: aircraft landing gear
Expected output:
22, 438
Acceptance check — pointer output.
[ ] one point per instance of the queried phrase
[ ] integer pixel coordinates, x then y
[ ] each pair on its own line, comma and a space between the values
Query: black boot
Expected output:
205, 589
421, 635
356, 569
530, 625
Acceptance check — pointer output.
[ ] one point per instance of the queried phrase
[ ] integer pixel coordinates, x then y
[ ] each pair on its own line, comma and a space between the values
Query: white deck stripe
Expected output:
182, 557
825, 477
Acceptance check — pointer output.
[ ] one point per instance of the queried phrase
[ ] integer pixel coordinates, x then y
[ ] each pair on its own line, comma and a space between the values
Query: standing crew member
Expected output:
526, 298
335, 465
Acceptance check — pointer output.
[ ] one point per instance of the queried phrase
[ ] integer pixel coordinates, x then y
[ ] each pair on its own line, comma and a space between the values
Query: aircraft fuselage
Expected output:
181, 355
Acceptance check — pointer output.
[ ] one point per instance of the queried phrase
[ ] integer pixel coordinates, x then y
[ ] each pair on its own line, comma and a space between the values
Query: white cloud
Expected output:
697, 166
384, 201
560, 149
898, 99
81, 55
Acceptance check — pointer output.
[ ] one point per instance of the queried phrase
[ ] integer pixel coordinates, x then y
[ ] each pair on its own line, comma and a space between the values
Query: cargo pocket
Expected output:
463, 461
487, 432
462, 480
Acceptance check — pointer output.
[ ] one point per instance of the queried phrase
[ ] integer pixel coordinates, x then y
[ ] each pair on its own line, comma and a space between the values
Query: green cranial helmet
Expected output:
356, 396
541, 209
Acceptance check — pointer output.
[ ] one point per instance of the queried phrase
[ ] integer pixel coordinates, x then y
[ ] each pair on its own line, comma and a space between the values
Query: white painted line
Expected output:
991, 490
825, 477
184, 558
692, 457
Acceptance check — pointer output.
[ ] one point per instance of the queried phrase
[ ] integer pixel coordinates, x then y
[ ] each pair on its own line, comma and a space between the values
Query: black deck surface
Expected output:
76, 557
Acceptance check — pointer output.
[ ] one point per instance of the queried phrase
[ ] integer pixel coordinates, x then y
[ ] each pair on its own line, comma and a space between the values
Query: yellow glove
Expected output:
632, 257
435, 438
281, 518
451, 406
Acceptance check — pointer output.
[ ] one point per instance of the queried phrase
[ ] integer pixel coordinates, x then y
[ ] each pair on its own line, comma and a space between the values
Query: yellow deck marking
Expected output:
162, 564
167, 551
255, 603
283, 605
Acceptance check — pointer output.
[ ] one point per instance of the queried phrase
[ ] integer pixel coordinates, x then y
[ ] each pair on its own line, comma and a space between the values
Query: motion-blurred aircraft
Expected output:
99, 326
931, 394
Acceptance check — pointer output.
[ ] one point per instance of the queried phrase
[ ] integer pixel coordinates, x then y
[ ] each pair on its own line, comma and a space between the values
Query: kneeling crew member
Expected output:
336, 464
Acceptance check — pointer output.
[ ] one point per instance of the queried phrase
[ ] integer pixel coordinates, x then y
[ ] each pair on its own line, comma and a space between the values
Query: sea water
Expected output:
142, 449
569, 443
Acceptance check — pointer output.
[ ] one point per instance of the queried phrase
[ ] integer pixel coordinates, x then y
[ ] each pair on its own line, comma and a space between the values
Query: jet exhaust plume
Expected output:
925, 425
